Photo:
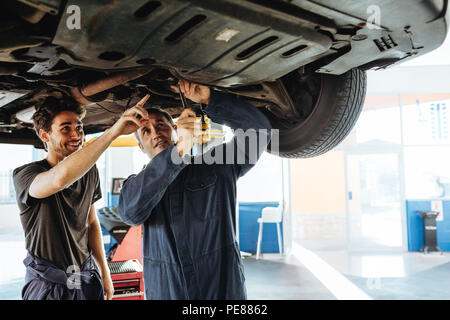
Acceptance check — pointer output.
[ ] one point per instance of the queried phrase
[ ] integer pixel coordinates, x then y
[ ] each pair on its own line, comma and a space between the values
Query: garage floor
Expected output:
272, 278
293, 280
389, 275
12, 270
312, 271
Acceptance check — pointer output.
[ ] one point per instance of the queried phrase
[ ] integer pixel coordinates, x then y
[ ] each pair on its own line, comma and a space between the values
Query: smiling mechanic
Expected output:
188, 210
56, 196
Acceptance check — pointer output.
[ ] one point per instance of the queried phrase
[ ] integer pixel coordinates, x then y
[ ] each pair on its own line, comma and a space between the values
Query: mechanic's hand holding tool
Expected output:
188, 128
132, 119
194, 92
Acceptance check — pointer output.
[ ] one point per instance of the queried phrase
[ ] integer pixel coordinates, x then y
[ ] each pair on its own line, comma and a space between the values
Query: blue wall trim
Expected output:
249, 212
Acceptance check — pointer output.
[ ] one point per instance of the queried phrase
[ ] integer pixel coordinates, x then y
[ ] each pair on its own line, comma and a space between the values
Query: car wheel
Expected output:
327, 108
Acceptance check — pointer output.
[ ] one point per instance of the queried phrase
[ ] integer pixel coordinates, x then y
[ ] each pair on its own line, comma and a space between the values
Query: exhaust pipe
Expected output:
83, 92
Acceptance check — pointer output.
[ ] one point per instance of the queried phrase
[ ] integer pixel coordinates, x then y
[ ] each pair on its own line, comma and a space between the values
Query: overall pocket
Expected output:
200, 196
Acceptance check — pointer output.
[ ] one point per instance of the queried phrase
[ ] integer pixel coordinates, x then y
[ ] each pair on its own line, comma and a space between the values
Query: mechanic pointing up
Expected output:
188, 209
56, 196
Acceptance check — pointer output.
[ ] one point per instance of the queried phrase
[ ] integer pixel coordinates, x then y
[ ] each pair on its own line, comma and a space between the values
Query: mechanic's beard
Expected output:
60, 148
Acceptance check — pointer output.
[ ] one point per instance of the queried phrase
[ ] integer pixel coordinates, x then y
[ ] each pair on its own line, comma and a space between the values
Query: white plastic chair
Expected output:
270, 215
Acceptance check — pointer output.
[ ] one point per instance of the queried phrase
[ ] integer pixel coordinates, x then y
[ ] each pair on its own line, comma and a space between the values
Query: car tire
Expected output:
327, 112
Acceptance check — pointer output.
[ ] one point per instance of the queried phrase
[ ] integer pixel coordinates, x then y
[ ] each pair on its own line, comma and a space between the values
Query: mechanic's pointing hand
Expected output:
132, 119
195, 92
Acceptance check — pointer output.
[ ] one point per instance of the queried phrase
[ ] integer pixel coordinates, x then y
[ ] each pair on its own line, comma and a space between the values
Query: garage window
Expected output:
17, 156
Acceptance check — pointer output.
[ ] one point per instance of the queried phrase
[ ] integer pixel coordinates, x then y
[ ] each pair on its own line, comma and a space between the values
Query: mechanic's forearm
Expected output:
235, 112
77, 164
255, 129
141, 193
96, 245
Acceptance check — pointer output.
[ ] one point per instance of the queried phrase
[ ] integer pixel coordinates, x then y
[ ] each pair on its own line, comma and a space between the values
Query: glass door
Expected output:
374, 205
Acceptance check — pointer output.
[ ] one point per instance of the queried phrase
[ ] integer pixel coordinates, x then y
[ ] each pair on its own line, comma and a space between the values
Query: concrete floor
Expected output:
274, 278
313, 270
389, 275
292, 280
12, 270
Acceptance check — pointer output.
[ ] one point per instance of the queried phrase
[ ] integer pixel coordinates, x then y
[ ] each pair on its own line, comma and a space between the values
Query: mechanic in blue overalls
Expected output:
56, 198
188, 206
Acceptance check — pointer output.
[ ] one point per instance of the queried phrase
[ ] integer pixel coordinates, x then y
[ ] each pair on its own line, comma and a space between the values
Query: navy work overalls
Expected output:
44, 281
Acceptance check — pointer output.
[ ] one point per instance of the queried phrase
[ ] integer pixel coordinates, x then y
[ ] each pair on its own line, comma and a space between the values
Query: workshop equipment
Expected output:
127, 280
429, 231
123, 253
205, 136
183, 99
123, 248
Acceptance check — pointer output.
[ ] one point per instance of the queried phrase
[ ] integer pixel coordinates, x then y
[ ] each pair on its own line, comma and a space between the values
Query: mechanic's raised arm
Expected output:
252, 129
77, 164
142, 192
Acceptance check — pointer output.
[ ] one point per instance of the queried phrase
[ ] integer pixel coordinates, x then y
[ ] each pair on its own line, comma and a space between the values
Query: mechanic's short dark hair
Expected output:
154, 110
48, 109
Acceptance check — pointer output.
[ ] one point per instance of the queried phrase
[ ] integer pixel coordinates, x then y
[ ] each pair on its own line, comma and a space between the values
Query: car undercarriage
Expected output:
302, 63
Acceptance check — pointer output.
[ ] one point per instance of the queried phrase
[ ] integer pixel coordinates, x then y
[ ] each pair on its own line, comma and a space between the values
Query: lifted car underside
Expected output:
274, 53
